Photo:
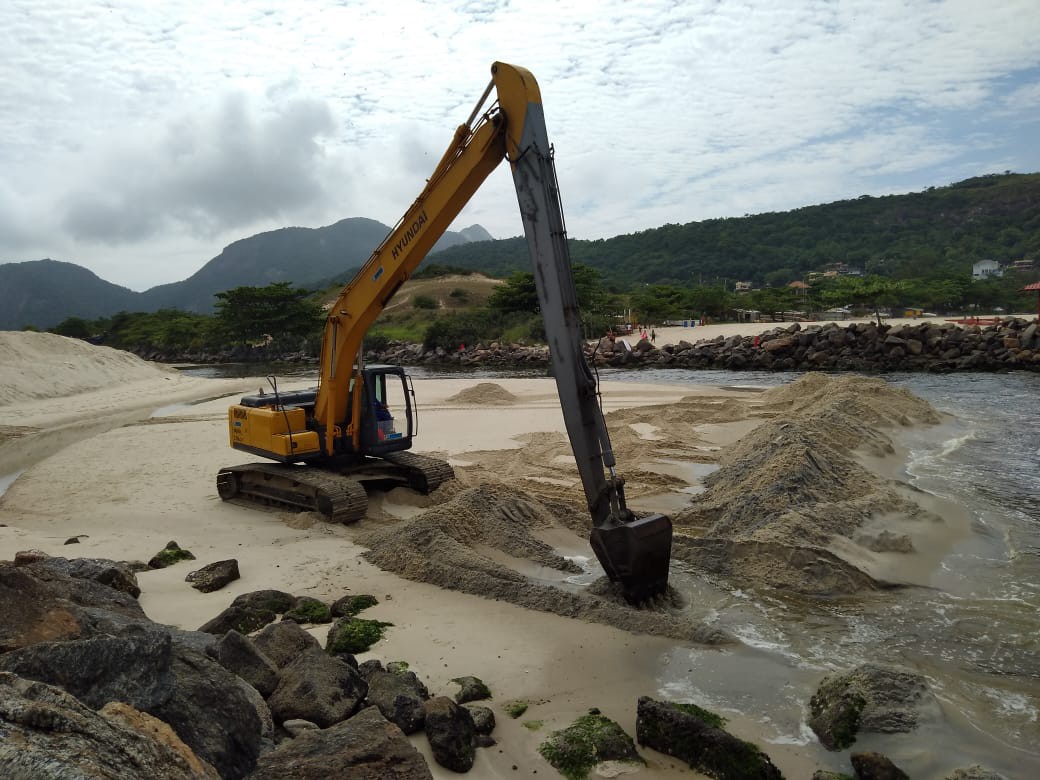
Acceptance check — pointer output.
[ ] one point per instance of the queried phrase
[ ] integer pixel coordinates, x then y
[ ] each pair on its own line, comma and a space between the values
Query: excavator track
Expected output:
424, 474
302, 488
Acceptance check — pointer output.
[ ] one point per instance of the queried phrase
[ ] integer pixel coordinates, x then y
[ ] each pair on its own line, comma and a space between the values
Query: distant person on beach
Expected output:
653, 336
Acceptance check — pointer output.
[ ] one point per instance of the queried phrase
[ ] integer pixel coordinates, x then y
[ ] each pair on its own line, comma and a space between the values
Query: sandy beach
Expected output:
123, 455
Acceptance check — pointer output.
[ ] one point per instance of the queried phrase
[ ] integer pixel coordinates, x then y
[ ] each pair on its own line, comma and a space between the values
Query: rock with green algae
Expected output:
515, 709
307, 609
169, 555
348, 606
695, 736
590, 740
871, 697
354, 635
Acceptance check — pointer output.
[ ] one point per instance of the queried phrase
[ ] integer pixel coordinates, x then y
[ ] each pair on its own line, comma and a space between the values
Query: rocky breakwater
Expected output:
91, 688
1010, 344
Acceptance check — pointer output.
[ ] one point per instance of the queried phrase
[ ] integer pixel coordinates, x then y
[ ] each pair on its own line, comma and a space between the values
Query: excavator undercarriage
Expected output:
338, 495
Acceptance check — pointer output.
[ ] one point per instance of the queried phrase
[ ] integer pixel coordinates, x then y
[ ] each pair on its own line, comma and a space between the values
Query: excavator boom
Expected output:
336, 423
633, 551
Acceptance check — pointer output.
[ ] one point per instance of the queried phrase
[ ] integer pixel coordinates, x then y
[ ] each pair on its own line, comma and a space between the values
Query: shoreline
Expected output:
134, 487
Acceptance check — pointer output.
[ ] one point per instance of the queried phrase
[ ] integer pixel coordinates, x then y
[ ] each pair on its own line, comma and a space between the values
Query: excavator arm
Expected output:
633, 551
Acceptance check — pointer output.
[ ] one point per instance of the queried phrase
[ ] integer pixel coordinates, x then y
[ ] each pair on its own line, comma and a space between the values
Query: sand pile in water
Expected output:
485, 394
785, 490
35, 366
781, 494
484, 541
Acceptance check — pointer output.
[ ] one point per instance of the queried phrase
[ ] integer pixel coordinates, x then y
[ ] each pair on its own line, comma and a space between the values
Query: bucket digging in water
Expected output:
636, 553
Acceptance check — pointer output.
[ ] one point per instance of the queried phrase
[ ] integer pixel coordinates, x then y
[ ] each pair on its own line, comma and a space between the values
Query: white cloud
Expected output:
150, 130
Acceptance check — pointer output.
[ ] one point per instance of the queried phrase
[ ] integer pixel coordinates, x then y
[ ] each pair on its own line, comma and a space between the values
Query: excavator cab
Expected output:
388, 419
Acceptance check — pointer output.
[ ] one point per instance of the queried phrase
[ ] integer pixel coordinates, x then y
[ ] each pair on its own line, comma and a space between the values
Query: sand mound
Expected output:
44, 365
485, 394
793, 484
484, 541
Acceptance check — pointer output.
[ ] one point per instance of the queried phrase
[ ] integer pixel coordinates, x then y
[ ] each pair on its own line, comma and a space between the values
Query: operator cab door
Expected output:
387, 415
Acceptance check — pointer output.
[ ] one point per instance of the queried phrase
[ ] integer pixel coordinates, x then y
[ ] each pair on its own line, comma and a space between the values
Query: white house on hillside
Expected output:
984, 269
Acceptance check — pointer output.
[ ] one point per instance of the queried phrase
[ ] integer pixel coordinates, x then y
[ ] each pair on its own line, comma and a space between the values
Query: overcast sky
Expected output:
139, 138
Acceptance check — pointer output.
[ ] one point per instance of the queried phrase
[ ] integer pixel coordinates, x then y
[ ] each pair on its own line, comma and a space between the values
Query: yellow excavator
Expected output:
357, 425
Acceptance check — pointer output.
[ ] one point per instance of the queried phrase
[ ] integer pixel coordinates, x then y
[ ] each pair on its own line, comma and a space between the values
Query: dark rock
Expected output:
263, 712
72, 540
104, 572
214, 576
276, 601
240, 656
868, 698
32, 610
366, 668
169, 555
451, 733
399, 696
696, 737
366, 747
284, 642
874, 766
472, 689
483, 718
250, 612
39, 604
50, 735
198, 641
212, 712
134, 667
236, 618
317, 688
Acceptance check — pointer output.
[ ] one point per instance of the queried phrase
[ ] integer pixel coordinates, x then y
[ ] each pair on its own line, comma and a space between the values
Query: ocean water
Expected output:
973, 628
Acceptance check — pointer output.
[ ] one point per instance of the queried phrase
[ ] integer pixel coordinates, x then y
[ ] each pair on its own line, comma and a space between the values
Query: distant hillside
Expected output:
304, 256
45, 292
944, 229
42, 293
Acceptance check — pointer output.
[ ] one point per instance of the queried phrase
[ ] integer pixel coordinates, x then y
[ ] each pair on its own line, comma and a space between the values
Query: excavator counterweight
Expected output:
344, 428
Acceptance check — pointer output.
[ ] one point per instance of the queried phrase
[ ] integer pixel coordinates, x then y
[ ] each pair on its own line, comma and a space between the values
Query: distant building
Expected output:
1022, 266
984, 269
742, 287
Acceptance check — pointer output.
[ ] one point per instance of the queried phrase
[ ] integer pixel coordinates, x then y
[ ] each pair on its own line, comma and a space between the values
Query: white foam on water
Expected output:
805, 736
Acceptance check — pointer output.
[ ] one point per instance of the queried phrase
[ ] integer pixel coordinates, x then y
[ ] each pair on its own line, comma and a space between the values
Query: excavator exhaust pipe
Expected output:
636, 553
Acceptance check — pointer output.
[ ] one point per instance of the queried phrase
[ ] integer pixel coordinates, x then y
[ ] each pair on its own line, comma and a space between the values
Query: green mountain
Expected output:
42, 293
944, 229
45, 292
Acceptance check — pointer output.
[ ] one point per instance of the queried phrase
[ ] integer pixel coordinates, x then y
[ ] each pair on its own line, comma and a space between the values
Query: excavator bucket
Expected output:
636, 554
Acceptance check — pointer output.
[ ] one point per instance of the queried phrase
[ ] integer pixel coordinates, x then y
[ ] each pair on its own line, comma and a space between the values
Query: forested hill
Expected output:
942, 230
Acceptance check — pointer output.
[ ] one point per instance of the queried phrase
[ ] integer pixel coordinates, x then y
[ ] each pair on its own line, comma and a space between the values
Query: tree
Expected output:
659, 302
774, 301
250, 313
517, 294
73, 327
